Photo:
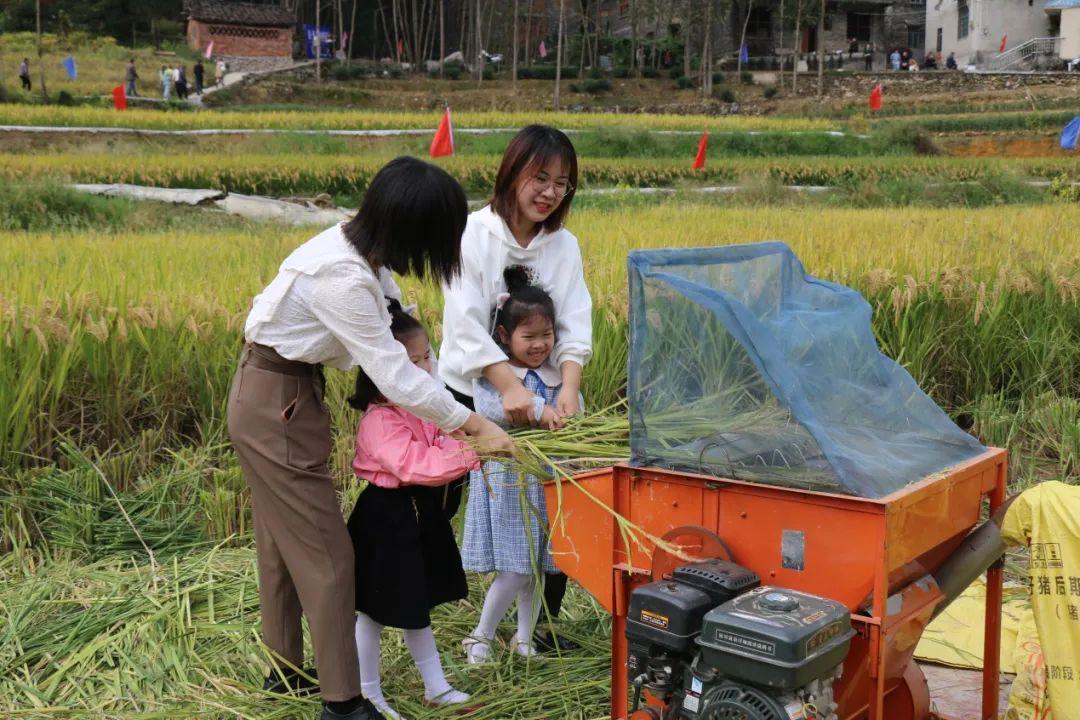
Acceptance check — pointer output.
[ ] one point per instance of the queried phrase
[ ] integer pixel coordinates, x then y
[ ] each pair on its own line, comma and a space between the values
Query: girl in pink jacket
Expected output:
407, 560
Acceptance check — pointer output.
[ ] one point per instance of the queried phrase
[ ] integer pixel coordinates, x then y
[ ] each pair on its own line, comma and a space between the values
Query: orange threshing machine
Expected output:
801, 511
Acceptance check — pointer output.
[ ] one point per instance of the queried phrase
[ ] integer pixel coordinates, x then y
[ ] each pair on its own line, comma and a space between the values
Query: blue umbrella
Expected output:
1070, 134
69, 67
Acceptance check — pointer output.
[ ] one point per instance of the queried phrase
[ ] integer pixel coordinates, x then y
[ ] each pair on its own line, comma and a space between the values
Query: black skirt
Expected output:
407, 559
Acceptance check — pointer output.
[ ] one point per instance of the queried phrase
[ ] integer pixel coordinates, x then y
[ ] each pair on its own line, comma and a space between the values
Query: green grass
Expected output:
100, 63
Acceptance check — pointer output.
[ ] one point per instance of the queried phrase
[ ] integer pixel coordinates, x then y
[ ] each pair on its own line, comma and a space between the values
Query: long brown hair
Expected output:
530, 150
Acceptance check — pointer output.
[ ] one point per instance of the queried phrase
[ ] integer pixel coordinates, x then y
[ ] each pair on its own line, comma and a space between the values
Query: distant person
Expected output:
24, 74
894, 59
166, 83
219, 71
852, 47
950, 62
868, 56
931, 62
913, 65
199, 72
130, 76
181, 82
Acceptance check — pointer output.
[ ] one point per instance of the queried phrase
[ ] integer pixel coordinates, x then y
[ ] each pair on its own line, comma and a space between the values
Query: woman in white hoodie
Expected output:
522, 225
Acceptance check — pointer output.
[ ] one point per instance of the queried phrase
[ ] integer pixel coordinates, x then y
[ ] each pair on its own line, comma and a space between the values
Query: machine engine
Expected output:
712, 643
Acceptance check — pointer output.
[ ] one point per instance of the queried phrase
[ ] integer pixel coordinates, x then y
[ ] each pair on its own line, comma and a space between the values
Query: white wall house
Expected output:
1064, 16
973, 29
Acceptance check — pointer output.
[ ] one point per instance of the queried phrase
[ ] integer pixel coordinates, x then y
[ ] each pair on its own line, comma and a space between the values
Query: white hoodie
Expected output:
487, 248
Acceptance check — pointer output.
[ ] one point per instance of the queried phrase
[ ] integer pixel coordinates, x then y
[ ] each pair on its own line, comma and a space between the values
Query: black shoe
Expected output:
364, 711
291, 683
546, 641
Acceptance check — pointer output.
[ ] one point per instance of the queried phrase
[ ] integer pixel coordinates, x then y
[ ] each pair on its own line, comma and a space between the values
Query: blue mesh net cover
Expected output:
743, 366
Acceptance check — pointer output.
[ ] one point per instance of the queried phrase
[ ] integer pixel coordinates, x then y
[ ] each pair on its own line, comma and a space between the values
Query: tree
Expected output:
558, 56
479, 47
40, 53
513, 71
742, 38
797, 45
442, 35
688, 9
821, 51
706, 52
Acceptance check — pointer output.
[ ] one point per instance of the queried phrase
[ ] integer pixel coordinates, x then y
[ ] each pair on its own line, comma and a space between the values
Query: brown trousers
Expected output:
280, 430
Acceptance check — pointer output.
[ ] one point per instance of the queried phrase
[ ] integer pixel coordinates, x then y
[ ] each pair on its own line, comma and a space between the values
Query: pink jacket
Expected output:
395, 448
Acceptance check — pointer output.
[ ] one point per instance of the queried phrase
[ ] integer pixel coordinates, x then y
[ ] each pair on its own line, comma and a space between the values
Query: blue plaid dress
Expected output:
497, 536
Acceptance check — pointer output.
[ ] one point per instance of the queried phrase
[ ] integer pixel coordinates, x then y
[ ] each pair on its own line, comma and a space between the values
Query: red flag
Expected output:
210, 50
119, 99
1004, 42
699, 159
443, 142
875, 98
542, 49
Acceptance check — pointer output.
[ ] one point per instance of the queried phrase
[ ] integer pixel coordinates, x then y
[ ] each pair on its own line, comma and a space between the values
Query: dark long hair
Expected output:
411, 221
531, 149
526, 299
402, 324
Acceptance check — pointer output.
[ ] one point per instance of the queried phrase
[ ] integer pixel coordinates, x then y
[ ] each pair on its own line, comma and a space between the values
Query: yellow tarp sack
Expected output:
1027, 697
1047, 519
955, 637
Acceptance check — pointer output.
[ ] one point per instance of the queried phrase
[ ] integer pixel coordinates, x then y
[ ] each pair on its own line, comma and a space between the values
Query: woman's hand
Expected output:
487, 436
518, 405
517, 401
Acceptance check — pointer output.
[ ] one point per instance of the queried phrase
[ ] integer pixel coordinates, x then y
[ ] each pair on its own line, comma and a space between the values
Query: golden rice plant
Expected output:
345, 119
284, 175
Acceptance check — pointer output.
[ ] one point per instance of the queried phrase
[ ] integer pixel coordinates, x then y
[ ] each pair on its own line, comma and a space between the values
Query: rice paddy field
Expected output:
127, 568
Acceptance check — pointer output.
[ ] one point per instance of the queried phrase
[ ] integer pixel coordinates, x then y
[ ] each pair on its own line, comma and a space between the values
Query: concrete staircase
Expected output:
1031, 55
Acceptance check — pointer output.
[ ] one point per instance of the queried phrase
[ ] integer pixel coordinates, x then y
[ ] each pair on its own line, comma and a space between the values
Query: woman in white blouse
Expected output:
327, 307
523, 225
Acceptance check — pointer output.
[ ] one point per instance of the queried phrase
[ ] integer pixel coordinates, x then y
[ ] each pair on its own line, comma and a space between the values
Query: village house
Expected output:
249, 36
770, 30
1036, 34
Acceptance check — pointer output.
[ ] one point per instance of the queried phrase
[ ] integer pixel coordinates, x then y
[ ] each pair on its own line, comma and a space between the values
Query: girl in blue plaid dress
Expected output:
506, 519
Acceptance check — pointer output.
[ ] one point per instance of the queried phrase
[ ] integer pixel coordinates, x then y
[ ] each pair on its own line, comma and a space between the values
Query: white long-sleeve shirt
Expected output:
487, 248
327, 306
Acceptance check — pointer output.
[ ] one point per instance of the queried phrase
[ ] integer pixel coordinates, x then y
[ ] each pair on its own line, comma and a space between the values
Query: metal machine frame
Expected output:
874, 555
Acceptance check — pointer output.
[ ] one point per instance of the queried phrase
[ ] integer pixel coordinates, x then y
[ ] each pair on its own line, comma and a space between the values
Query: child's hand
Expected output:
567, 404
551, 419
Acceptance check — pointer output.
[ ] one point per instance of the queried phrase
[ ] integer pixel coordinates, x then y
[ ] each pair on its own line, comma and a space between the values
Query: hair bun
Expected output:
517, 277
393, 305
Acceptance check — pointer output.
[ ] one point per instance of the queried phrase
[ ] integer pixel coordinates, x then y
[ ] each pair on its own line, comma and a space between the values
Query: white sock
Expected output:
367, 651
421, 644
500, 596
528, 612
